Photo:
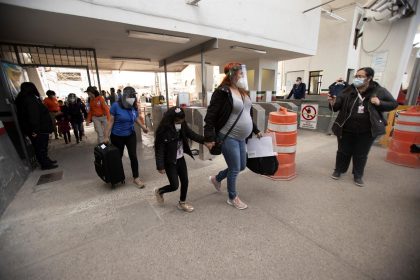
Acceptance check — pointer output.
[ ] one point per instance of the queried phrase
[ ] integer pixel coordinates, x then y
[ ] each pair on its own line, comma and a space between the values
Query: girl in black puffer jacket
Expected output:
171, 142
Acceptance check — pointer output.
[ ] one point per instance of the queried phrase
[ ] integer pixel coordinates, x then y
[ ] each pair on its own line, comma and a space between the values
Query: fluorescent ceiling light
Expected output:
246, 49
158, 37
195, 62
331, 14
131, 58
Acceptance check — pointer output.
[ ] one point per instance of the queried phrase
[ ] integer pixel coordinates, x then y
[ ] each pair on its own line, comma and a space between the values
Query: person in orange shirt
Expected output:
52, 104
98, 112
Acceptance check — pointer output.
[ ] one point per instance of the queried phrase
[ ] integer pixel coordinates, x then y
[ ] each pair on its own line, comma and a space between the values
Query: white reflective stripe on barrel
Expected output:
404, 118
410, 128
282, 127
285, 149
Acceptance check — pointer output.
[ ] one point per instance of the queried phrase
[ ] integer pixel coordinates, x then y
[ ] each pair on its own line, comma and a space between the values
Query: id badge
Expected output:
361, 109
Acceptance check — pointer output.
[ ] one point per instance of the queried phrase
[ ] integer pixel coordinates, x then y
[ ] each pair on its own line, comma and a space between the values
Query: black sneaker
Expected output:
336, 175
359, 182
48, 167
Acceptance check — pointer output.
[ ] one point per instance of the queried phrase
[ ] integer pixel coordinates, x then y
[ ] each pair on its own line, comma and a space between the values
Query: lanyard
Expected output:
360, 96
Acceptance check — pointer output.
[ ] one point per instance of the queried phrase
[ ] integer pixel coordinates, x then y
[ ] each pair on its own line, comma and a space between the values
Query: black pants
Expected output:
78, 130
40, 143
173, 171
356, 146
131, 143
67, 137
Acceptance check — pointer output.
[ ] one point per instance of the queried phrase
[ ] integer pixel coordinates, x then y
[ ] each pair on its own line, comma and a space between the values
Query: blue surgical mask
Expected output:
358, 82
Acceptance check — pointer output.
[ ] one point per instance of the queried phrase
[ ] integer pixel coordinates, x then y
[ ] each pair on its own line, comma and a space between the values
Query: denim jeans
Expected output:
234, 152
78, 130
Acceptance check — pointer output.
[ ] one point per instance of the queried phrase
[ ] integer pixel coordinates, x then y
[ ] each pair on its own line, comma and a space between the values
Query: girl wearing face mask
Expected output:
124, 114
229, 119
359, 122
171, 142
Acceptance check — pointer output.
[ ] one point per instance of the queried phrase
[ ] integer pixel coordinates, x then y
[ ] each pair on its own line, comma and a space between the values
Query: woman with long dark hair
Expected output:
229, 117
359, 121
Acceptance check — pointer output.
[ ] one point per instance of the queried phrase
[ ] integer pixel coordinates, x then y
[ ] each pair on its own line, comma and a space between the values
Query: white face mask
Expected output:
178, 126
130, 101
241, 83
358, 82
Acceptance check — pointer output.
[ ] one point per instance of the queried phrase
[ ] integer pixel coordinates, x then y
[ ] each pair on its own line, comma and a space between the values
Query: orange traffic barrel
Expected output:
406, 133
284, 125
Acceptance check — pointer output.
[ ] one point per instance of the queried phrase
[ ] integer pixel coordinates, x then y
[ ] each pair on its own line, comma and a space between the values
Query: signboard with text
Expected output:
309, 116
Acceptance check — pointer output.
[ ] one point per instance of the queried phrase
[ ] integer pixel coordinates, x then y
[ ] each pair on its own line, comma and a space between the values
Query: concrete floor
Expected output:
312, 227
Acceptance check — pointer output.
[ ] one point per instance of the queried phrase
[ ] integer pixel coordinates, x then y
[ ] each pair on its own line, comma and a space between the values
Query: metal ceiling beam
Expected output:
204, 47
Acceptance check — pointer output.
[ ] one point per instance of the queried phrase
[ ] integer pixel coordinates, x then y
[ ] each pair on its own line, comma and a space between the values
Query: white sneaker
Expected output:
237, 203
217, 185
185, 206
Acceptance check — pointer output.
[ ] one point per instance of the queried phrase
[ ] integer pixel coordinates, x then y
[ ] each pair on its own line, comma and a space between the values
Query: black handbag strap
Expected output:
230, 129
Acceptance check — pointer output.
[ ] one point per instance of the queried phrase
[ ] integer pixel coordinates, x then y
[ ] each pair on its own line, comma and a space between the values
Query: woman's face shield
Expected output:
128, 97
239, 76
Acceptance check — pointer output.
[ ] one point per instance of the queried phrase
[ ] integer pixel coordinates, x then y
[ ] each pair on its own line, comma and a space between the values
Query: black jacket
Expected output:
33, 116
346, 101
166, 144
218, 113
75, 111
336, 88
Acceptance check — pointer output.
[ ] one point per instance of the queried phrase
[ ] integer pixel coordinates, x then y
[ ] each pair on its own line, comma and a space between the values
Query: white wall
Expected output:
397, 45
332, 54
262, 22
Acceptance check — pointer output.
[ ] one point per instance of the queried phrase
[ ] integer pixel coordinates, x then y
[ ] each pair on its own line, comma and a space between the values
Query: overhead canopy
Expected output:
115, 50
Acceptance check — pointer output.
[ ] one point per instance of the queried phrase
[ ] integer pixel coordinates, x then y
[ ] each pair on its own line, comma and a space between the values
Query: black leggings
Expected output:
173, 171
131, 142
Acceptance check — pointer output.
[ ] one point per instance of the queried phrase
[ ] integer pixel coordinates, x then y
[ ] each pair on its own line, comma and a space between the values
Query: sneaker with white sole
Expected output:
159, 196
336, 175
185, 206
139, 183
237, 203
217, 185
359, 182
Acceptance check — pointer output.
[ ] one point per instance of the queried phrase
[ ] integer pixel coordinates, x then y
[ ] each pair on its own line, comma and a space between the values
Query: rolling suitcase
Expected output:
108, 164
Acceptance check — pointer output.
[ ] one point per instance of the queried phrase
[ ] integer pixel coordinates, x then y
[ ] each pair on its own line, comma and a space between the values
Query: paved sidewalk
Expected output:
312, 227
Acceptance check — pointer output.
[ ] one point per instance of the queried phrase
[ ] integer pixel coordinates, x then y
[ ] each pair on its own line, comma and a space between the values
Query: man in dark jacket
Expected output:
298, 89
333, 90
35, 122
359, 121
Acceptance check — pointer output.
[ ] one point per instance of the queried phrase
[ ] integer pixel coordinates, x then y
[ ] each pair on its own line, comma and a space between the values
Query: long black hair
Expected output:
173, 114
